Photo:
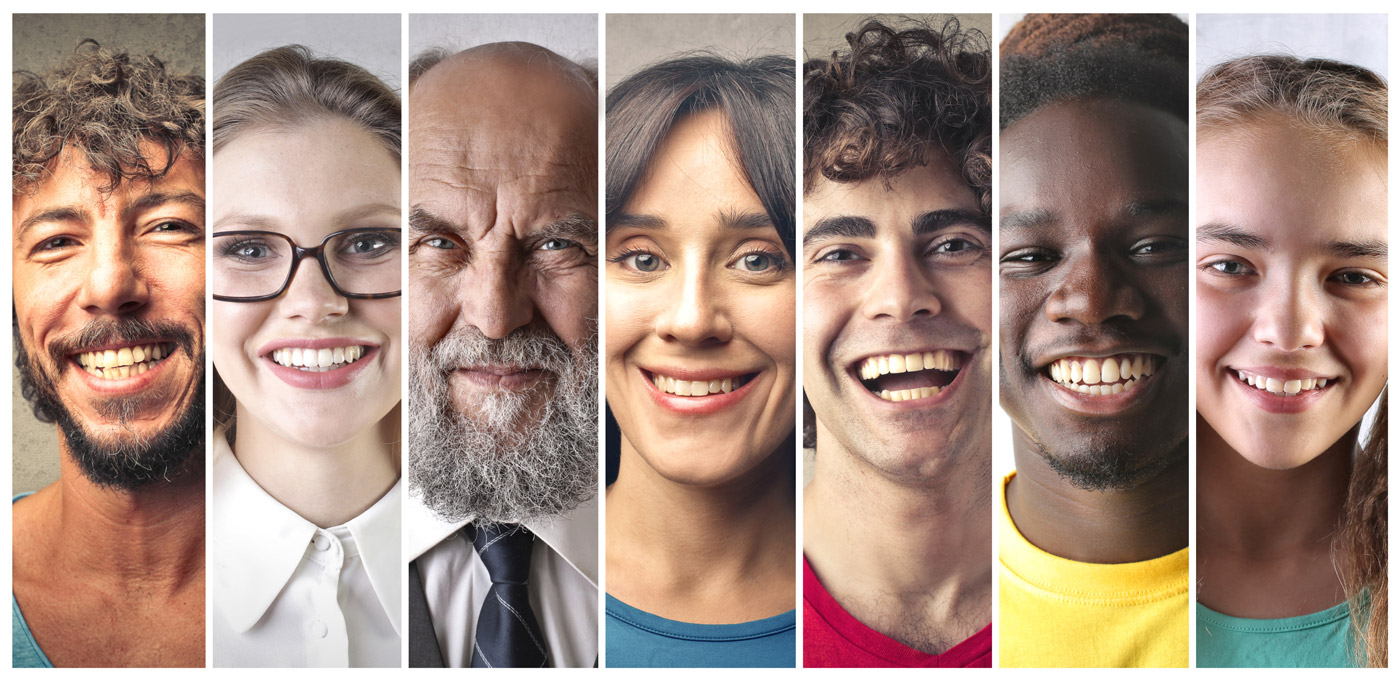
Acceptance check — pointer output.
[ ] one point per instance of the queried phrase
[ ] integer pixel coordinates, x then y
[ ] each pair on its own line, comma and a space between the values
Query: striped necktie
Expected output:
507, 634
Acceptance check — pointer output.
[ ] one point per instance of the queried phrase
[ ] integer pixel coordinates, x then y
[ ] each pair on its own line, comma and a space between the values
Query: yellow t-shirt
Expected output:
1056, 612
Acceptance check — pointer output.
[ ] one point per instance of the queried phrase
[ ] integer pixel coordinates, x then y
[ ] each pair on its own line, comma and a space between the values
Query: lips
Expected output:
683, 387
696, 392
317, 364
1281, 386
901, 376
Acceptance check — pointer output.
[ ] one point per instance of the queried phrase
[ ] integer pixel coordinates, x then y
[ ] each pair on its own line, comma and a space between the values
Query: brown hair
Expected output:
877, 109
1362, 549
105, 105
285, 87
1329, 96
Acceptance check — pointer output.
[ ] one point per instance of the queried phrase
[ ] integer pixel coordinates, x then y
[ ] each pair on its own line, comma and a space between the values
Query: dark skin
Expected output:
1093, 263
1245, 561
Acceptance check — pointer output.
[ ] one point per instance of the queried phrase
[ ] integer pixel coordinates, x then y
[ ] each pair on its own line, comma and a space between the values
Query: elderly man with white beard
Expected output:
502, 526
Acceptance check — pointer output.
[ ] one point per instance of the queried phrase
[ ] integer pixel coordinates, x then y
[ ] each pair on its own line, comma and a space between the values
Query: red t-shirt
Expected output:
832, 638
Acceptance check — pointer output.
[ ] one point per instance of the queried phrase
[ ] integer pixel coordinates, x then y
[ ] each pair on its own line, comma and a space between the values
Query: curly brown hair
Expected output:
105, 104
877, 109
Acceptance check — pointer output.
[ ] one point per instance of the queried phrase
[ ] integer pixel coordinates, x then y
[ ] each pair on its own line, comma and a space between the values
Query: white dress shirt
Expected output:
290, 594
563, 583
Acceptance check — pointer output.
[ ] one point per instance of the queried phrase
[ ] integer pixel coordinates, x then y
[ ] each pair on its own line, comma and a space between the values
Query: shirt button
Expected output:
318, 628
322, 543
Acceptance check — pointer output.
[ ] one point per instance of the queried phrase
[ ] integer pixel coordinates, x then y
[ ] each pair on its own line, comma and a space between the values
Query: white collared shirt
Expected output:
290, 594
563, 583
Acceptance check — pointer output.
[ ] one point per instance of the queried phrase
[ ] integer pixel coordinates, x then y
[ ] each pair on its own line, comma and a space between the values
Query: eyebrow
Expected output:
1358, 249
420, 221
1027, 219
366, 210
935, 220
575, 227
840, 226
727, 218
1221, 232
69, 213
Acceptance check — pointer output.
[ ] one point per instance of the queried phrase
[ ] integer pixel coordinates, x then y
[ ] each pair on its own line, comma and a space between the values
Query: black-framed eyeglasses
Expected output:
255, 266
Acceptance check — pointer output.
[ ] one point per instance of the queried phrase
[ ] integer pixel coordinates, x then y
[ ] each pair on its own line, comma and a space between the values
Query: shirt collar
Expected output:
574, 535
256, 544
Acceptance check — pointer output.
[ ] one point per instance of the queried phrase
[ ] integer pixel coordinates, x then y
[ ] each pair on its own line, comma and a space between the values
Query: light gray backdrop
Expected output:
638, 40
372, 41
41, 41
573, 36
1353, 38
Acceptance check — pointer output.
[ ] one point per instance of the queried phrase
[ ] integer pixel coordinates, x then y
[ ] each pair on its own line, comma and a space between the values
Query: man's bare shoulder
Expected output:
35, 520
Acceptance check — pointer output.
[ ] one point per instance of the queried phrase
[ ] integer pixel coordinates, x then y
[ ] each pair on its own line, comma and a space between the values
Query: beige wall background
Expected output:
41, 41
637, 40
822, 33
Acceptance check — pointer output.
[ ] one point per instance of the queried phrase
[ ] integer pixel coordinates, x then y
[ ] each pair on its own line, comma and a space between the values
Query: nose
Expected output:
1289, 317
900, 291
310, 296
116, 283
693, 311
495, 297
1093, 289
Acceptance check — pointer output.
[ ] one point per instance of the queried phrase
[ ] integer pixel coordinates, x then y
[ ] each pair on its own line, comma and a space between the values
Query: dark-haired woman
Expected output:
701, 358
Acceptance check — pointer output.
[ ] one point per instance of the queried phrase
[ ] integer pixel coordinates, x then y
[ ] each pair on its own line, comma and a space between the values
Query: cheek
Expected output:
767, 319
824, 314
631, 317
969, 297
1222, 321
232, 326
430, 310
1019, 306
569, 303
1364, 353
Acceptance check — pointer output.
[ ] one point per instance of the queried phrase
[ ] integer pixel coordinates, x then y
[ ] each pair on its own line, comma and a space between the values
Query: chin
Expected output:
691, 466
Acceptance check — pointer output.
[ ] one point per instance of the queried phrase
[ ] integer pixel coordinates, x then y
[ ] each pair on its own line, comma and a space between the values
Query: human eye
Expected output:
249, 250
55, 243
760, 260
837, 255
639, 260
1028, 261
1159, 249
1226, 267
558, 244
1356, 278
370, 244
957, 248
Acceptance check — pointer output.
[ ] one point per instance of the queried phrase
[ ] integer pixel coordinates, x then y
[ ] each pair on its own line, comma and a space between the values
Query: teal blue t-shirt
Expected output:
1319, 640
637, 639
26, 651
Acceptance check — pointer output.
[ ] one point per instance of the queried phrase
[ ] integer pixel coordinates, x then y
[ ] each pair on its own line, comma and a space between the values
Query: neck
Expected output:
154, 534
884, 533
702, 534
326, 485
1241, 506
1111, 526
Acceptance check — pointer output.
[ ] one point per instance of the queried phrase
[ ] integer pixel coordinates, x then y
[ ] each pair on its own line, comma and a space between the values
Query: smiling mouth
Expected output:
1282, 388
1102, 376
698, 388
318, 360
905, 377
124, 362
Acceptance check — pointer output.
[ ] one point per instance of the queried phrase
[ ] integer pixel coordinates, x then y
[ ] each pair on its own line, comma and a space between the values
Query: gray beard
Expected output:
494, 464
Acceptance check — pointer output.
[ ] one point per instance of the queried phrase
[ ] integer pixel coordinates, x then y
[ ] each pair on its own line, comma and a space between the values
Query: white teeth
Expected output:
1102, 376
1280, 387
939, 360
317, 360
909, 394
692, 388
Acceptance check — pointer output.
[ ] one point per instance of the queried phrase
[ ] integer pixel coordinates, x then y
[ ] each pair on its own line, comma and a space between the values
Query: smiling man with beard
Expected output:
108, 254
898, 353
503, 528
1094, 525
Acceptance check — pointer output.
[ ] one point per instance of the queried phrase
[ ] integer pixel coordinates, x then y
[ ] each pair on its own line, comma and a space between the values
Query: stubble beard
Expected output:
508, 460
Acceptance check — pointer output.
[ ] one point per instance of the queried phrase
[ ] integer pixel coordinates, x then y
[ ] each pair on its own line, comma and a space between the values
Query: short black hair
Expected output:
1139, 58
758, 97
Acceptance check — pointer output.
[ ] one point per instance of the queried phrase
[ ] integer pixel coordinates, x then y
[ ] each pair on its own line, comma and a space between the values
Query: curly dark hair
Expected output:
105, 104
876, 109
1140, 58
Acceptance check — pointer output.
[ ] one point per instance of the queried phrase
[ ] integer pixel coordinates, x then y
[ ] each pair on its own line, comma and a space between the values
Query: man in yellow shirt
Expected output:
1093, 527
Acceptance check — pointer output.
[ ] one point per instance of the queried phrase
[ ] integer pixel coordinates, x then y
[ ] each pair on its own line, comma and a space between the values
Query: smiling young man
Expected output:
1094, 525
108, 253
898, 356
